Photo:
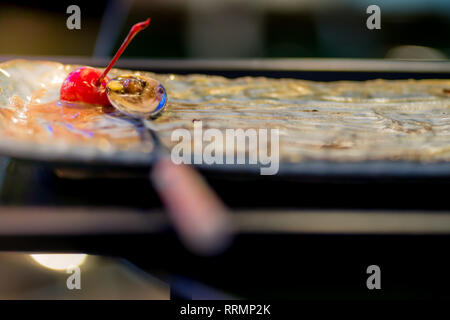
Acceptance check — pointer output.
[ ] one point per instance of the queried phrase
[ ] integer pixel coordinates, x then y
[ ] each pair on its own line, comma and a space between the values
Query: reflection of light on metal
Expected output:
415, 53
5, 73
59, 261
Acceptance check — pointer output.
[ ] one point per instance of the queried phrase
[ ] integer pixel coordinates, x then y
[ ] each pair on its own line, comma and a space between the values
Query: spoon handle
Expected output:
198, 215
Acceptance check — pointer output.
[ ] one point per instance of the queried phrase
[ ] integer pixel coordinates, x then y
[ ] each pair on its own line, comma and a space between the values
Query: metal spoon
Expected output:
198, 215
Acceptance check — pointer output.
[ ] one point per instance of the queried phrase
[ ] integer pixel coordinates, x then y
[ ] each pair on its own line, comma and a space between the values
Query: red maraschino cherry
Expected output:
87, 84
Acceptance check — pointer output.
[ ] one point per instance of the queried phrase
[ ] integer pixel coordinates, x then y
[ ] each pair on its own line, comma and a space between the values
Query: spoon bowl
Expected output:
136, 95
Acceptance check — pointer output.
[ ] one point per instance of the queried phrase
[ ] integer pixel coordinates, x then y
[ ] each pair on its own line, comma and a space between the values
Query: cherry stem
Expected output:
133, 31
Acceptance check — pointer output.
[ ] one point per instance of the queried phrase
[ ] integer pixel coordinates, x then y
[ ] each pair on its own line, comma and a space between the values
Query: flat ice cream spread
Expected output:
335, 121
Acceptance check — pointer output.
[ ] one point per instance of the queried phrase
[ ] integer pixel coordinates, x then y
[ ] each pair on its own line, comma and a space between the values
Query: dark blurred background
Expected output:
229, 28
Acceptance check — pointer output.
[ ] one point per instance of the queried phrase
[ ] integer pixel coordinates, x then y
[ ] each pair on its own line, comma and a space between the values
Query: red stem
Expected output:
133, 31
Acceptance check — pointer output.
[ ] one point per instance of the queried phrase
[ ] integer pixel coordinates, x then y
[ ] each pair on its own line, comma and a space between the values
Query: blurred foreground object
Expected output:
198, 215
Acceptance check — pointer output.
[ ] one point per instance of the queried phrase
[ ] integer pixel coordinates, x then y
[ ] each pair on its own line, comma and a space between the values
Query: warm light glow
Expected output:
59, 261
